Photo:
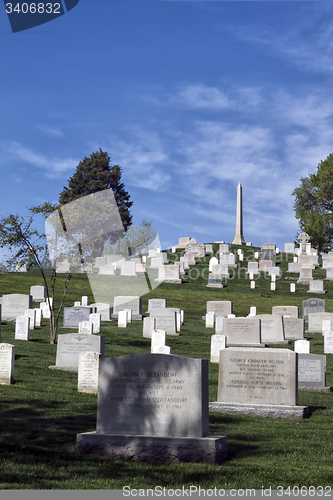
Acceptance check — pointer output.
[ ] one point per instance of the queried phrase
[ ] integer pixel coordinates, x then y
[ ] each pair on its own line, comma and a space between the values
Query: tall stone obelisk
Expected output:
239, 238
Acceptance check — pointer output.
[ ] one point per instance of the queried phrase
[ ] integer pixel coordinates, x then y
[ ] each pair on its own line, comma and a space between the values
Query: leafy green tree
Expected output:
314, 205
27, 246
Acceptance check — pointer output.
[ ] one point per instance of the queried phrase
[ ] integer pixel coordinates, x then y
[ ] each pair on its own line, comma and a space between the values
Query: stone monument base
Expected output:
135, 317
303, 281
320, 291
176, 281
311, 388
65, 368
209, 449
214, 286
256, 410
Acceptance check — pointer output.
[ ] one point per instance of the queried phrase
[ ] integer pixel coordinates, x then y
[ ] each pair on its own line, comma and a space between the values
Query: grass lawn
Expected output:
42, 412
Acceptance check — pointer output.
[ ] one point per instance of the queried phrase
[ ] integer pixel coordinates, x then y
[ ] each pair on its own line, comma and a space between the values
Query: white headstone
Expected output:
88, 372
84, 300
219, 325
31, 313
7, 356
328, 343
86, 327
149, 325
95, 319
210, 319
38, 317
218, 342
302, 345
122, 319
22, 328
292, 287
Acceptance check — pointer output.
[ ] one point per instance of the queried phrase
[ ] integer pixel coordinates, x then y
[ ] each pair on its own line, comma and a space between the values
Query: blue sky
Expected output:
190, 98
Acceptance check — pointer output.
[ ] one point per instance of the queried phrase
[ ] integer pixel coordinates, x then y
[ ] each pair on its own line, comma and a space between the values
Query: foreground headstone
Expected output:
88, 372
312, 373
153, 407
260, 382
7, 357
70, 345
22, 328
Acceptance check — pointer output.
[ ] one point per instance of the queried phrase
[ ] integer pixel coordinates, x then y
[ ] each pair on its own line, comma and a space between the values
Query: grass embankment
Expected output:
42, 412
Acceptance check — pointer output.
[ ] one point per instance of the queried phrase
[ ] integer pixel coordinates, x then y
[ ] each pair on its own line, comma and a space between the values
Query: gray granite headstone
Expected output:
153, 407
311, 370
293, 328
153, 395
313, 305
74, 315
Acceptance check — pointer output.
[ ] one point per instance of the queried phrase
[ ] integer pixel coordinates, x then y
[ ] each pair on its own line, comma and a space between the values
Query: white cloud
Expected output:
202, 97
51, 132
144, 159
53, 166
